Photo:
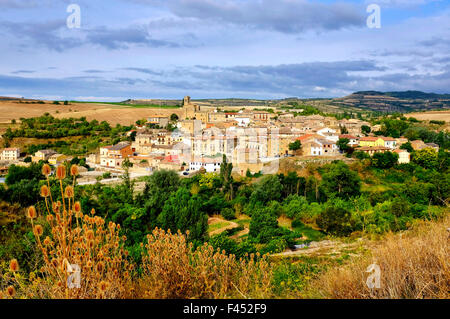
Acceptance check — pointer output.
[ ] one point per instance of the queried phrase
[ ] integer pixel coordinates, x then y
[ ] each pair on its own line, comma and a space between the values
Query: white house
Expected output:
390, 142
10, 154
243, 119
403, 156
329, 134
211, 165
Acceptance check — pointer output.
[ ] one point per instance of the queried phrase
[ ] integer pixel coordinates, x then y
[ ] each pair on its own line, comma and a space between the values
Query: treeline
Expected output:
48, 126
398, 125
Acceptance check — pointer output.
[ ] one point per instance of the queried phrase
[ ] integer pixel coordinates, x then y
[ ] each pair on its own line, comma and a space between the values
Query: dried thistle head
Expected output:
46, 170
38, 230
74, 170
61, 172
77, 207
14, 265
103, 286
56, 206
11, 291
45, 192
47, 241
31, 212
69, 193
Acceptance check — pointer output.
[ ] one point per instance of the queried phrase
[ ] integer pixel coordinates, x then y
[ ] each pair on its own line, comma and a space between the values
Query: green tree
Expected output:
427, 158
407, 146
335, 221
365, 129
182, 211
263, 225
174, 117
341, 181
268, 189
225, 176
295, 146
160, 185
342, 143
384, 160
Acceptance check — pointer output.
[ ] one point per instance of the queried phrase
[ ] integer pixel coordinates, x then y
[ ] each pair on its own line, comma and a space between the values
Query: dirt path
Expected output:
214, 220
325, 247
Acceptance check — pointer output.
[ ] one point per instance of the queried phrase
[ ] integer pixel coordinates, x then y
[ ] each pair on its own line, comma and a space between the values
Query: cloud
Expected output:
23, 72
316, 79
401, 3
124, 37
286, 16
142, 70
45, 34
50, 34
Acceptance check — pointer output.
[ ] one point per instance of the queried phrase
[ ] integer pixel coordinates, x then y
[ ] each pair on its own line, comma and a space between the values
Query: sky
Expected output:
262, 49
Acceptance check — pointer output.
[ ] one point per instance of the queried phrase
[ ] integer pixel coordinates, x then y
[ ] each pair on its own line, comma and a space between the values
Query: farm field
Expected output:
432, 115
113, 114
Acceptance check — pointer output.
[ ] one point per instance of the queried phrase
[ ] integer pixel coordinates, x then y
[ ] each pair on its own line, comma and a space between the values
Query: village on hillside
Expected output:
196, 138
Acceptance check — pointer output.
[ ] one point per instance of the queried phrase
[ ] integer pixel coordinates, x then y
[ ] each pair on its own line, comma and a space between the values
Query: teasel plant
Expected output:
83, 256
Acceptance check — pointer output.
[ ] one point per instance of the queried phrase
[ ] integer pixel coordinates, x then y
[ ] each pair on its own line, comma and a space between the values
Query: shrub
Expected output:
335, 221
228, 213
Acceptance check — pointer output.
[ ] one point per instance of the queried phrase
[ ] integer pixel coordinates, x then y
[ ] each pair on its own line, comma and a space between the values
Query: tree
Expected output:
225, 176
341, 181
342, 143
263, 225
182, 211
295, 146
174, 117
384, 160
160, 185
407, 146
343, 130
365, 129
268, 189
335, 221
427, 158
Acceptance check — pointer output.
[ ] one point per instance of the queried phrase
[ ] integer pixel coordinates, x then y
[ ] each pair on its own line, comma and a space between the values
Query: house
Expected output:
389, 142
209, 164
369, 141
312, 148
329, 134
372, 141
243, 119
57, 159
113, 156
433, 146
261, 116
42, 155
403, 156
161, 121
10, 154
353, 140
373, 149
418, 145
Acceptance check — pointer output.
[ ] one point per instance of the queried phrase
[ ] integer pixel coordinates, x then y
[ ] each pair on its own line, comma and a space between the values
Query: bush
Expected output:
335, 221
228, 213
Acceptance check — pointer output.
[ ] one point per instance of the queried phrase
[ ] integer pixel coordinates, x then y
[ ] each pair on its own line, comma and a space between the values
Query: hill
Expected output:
407, 101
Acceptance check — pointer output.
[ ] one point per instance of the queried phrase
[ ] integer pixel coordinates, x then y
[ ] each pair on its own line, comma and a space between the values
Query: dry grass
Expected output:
114, 114
431, 115
413, 265
174, 269
171, 267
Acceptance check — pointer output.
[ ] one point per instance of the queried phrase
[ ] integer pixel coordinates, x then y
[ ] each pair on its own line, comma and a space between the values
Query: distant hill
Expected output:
407, 101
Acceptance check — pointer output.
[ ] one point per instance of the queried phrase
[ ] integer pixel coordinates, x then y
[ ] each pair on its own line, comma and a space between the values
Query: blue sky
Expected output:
221, 48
